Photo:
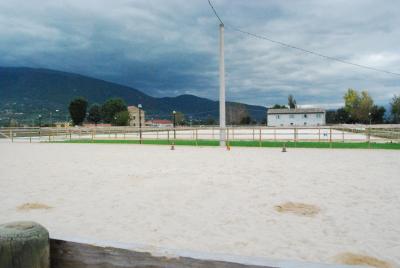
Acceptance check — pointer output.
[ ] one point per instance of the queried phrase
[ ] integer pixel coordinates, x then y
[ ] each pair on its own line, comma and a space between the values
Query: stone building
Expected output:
134, 116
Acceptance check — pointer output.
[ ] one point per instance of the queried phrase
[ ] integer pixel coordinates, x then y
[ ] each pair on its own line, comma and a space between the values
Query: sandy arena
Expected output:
307, 204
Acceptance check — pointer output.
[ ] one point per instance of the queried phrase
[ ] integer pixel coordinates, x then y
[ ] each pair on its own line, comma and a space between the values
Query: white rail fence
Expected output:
338, 133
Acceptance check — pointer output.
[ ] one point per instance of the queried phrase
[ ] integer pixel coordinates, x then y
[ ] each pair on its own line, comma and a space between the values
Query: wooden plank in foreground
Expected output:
65, 254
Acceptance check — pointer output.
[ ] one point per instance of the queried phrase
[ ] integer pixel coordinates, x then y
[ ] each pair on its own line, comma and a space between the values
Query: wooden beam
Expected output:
65, 254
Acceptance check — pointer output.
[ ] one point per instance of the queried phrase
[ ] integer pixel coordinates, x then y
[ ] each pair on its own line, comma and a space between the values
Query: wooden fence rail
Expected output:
69, 254
250, 133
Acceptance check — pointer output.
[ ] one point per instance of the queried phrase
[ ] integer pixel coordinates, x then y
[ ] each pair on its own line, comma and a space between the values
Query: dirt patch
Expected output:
298, 209
32, 206
356, 259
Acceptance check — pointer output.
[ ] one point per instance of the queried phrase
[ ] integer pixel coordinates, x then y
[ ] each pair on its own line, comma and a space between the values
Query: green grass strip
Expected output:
334, 145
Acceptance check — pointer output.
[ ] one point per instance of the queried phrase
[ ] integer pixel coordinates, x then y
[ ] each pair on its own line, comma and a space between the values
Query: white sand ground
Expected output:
210, 199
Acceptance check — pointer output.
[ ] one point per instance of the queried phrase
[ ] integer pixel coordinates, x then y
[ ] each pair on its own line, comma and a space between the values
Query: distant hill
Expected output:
27, 92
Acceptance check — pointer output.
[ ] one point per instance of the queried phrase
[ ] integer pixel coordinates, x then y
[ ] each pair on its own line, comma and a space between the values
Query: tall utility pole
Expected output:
222, 124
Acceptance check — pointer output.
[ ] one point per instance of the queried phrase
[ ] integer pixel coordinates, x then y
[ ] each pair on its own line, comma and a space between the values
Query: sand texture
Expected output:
306, 204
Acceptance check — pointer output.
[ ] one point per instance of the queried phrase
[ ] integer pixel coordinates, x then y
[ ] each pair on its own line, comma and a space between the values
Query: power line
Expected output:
305, 50
215, 12
315, 53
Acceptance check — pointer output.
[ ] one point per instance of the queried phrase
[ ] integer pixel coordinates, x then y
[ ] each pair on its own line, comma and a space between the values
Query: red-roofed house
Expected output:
159, 123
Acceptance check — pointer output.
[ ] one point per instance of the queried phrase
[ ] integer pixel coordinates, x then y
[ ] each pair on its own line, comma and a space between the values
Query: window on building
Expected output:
305, 115
277, 116
134, 117
305, 123
318, 115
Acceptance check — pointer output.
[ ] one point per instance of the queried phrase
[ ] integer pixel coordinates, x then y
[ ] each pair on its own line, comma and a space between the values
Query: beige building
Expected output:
134, 116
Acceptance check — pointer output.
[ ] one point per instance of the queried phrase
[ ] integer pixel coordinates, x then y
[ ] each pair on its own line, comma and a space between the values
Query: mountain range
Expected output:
27, 92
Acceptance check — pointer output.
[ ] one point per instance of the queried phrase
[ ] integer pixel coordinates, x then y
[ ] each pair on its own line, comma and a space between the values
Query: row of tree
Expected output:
113, 111
359, 107
292, 104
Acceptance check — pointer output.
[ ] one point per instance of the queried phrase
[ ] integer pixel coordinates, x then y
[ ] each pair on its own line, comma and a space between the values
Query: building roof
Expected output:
296, 111
131, 108
160, 121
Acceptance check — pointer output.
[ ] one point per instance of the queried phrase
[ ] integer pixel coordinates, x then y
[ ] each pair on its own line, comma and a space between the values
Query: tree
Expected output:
210, 121
291, 102
351, 102
264, 121
278, 106
331, 117
111, 107
121, 119
358, 106
342, 116
365, 108
395, 109
235, 112
94, 115
77, 110
246, 120
377, 114
179, 119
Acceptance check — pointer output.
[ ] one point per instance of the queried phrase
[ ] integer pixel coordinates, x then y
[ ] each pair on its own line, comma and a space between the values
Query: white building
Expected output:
296, 117
159, 123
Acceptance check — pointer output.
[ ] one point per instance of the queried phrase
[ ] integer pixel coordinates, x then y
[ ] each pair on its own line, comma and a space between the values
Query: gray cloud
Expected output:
171, 47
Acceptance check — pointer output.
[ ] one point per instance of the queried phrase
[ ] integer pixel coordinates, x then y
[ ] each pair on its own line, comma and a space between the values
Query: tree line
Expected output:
359, 107
113, 111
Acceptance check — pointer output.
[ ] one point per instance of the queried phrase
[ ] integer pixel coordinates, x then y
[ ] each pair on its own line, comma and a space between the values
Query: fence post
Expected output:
227, 136
330, 136
168, 135
196, 138
319, 134
343, 134
24, 244
369, 138
274, 134
260, 138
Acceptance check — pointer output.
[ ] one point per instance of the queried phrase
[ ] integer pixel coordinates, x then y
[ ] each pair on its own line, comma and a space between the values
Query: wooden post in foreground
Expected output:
24, 244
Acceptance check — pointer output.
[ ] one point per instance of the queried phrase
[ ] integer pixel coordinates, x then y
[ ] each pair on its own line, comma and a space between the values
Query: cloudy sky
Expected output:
167, 48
